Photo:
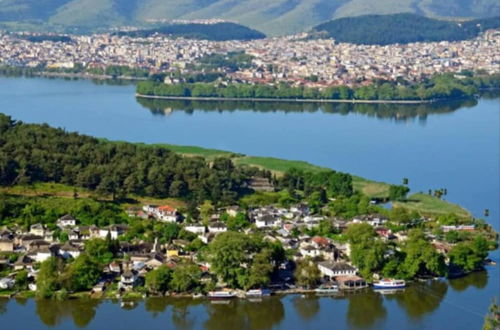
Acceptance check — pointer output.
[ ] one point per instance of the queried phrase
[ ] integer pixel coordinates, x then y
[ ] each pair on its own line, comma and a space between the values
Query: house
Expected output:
155, 261
351, 282
385, 233
37, 229
265, 221
469, 228
66, 221
115, 267
7, 283
375, 220
167, 213
261, 184
22, 262
217, 227
113, 230
128, 279
42, 254
234, 210
6, 245
69, 251
310, 251
334, 269
196, 228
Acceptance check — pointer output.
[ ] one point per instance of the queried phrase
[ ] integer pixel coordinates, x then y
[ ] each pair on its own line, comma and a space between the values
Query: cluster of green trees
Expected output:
443, 86
215, 32
231, 62
45, 37
416, 256
401, 28
25, 211
244, 261
38, 153
324, 183
118, 71
184, 277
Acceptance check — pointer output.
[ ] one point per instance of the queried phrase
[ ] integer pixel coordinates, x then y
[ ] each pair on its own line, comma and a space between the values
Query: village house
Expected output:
37, 229
469, 228
266, 221
6, 245
66, 221
69, 251
217, 227
234, 210
114, 231
196, 228
128, 279
164, 213
374, 220
333, 269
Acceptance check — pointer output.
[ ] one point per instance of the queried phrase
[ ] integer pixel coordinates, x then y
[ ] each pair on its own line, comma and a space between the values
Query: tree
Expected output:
158, 280
82, 274
206, 211
48, 277
397, 193
99, 250
22, 280
185, 277
261, 269
307, 273
229, 251
360, 233
421, 257
463, 256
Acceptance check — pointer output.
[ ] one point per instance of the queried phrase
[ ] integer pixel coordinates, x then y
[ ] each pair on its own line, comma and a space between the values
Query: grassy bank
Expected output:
430, 205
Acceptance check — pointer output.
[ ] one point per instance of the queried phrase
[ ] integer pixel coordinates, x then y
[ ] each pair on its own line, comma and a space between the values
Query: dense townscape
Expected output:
294, 59
219, 229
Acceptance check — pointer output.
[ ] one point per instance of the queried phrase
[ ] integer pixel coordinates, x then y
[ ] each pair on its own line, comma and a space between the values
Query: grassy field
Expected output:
278, 166
430, 205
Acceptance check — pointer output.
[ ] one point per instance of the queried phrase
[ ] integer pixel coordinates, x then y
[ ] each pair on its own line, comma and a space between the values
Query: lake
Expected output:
454, 146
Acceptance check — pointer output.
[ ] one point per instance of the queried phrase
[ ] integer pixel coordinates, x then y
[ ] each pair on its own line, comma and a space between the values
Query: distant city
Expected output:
293, 59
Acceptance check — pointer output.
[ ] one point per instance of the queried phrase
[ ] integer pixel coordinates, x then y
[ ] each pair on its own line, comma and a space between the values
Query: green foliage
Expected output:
48, 277
307, 273
158, 280
367, 253
82, 274
216, 32
397, 193
100, 250
185, 277
38, 153
420, 256
22, 280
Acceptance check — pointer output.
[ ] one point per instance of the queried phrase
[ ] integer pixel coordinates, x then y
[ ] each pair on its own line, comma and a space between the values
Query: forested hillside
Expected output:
31, 153
215, 32
401, 28
271, 17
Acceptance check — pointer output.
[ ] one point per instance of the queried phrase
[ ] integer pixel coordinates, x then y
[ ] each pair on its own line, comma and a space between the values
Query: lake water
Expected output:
454, 146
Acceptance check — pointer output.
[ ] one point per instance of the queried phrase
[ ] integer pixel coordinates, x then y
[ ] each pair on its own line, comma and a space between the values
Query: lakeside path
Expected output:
194, 98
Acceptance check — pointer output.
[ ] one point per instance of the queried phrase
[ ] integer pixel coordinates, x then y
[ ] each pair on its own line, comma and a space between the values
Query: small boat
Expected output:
389, 284
327, 289
197, 296
221, 295
258, 293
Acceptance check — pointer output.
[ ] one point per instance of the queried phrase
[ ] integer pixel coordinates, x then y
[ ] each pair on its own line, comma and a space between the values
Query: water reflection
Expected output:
365, 309
243, 314
421, 298
81, 311
397, 112
477, 279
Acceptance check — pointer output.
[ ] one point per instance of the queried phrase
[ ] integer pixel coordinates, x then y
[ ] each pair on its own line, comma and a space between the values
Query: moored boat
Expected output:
327, 289
389, 284
221, 295
258, 293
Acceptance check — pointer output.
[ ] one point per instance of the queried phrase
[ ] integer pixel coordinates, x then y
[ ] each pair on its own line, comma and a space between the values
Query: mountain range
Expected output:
273, 17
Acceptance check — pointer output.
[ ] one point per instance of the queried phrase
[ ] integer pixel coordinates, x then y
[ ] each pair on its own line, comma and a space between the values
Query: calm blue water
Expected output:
458, 150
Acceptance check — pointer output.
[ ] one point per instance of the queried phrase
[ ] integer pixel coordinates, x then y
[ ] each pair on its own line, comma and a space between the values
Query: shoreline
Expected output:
195, 98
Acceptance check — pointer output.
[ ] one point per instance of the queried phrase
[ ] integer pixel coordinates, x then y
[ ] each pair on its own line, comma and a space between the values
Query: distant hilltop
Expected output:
401, 28
274, 17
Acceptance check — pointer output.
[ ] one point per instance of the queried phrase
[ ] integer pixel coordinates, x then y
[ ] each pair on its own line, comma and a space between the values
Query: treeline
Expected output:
214, 32
32, 153
401, 28
45, 37
444, 86
115, 71
38, 153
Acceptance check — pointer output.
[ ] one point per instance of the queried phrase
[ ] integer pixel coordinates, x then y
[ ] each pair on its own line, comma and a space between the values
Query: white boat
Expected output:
258, 293
327, 289
389, 284
221, 295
